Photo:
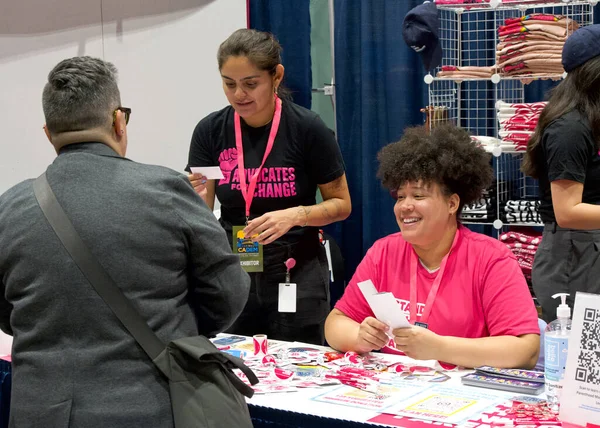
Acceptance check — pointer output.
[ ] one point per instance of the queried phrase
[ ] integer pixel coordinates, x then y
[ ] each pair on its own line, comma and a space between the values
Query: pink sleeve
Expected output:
507, 302
353, 303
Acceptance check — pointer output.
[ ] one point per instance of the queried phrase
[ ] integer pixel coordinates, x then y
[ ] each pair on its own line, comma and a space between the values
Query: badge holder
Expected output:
287, 290
250, 252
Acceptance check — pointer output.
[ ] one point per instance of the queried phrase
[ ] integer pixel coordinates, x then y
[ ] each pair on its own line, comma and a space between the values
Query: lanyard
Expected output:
248, 192
434, 288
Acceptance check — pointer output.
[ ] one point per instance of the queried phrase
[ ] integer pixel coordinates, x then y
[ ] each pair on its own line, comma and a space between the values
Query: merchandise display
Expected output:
491, 50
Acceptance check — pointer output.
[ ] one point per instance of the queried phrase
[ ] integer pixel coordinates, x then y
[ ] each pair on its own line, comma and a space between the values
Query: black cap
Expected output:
581, 46
420, 31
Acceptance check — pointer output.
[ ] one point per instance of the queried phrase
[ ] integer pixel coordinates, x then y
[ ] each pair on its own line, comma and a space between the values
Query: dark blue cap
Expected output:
581, 46
420, 31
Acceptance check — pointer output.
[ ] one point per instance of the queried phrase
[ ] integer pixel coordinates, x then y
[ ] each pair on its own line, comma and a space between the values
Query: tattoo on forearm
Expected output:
338, 206
332, 213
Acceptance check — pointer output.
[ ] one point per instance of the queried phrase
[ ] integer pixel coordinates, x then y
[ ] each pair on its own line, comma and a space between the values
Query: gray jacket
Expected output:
74, 365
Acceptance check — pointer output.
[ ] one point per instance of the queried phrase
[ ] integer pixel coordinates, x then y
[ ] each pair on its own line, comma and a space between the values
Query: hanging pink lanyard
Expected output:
434, 288
248, 190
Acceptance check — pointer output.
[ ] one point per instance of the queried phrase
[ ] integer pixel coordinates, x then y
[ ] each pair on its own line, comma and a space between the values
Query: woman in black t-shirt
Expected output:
563, 154
273, 155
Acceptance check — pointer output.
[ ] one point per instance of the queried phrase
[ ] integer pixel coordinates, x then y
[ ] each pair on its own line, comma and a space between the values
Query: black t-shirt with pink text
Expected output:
304, 155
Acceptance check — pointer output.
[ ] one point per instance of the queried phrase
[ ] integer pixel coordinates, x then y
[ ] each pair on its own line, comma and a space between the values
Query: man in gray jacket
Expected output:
74, 364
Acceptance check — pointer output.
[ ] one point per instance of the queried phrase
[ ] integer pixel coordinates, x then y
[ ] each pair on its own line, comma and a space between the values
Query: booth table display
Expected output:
304, 385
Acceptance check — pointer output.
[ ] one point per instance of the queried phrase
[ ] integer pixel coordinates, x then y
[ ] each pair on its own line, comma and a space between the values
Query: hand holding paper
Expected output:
384, 306
372, 335
417, 342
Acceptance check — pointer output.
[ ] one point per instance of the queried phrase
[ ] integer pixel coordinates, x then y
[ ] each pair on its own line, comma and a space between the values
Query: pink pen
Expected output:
360, 385
344, 377
357, 371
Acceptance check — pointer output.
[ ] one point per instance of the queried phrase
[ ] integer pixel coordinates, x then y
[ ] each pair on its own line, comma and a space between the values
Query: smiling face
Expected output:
424, 213
250, 90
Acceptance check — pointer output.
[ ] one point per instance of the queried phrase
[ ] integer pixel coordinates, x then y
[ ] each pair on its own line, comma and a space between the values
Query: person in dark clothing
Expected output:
563, 154
274, 155
74, 364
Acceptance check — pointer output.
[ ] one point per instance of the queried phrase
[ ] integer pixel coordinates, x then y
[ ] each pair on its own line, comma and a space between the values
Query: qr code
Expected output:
588, 360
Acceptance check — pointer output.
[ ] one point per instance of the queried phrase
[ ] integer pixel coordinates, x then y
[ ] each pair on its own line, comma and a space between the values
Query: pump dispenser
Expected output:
563, 311
556, 344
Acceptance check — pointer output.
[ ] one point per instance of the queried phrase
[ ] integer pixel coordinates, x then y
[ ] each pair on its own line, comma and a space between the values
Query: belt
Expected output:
553, 227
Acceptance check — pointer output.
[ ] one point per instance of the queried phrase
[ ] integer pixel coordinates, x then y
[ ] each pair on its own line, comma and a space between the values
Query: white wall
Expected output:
166, 55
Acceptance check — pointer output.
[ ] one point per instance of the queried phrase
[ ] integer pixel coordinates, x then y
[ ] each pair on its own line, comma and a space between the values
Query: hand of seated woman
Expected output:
371, 335
418, 342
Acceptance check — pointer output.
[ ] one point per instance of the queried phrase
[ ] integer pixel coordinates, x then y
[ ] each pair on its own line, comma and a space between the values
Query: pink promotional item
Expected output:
260, 345
289, 265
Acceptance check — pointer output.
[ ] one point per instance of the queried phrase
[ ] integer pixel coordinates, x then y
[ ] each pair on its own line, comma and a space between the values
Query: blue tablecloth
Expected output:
261, 416
264, 417
5, 382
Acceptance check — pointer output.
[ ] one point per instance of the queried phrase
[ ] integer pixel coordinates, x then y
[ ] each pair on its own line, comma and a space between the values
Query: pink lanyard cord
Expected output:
248, 189
434, 288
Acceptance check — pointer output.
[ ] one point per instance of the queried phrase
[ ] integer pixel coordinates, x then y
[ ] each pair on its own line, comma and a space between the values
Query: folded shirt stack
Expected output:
483, 2
524, 247
488, 143
521, 212
532, 45
517, 123
483, 210
468, 72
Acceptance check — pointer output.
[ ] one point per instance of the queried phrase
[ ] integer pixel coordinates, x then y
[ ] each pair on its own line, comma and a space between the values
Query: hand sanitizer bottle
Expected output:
556, 343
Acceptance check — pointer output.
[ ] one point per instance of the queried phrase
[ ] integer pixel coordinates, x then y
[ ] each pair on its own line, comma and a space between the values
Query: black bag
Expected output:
204, 390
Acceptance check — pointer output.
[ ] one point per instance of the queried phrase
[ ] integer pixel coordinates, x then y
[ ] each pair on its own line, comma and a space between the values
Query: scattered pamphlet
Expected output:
503, 383
453, 405
518, 374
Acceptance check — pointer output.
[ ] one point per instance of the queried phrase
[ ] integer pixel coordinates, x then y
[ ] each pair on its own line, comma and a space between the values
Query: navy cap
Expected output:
420, 31
581, 46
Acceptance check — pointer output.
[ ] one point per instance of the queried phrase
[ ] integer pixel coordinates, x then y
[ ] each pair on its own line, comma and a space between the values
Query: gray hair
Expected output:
81, 94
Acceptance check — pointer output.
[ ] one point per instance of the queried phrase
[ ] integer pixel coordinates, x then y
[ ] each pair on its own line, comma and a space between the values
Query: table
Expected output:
298, 409
292, 409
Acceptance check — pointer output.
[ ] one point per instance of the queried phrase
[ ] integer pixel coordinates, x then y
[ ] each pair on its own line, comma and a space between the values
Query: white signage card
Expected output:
210, 172
580, 398
384, 305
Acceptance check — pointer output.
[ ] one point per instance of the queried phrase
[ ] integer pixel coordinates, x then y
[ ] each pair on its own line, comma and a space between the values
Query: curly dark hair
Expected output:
445, 155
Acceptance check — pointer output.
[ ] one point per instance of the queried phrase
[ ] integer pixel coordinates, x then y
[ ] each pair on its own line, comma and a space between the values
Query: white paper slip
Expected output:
210, 172
384, 305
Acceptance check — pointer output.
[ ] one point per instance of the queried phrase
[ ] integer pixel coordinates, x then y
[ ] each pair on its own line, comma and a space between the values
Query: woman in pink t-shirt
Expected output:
463, 292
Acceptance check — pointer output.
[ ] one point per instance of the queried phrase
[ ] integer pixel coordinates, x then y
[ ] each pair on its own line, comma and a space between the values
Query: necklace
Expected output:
432, 270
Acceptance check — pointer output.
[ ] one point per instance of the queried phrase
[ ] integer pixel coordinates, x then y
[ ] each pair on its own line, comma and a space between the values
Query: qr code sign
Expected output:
588, 361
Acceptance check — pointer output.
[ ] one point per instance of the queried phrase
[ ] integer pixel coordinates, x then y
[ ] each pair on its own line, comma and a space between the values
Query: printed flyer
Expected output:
386, 395
452, 405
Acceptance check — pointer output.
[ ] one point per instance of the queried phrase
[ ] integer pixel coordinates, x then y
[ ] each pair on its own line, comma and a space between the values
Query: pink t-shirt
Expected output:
482, 293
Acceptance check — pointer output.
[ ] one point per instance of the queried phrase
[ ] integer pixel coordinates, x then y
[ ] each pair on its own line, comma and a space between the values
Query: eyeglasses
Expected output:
125, 110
